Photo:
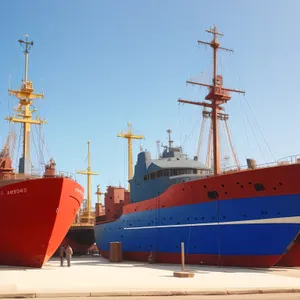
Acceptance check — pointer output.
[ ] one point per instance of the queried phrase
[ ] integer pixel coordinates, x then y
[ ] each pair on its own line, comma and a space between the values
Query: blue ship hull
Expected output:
243, 232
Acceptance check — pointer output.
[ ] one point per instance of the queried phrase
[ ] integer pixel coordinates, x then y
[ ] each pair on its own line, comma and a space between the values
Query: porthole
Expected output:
212, 195
259, 187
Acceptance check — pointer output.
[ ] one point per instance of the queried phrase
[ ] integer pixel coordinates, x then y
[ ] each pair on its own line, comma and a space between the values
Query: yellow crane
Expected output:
130, 136
88, 172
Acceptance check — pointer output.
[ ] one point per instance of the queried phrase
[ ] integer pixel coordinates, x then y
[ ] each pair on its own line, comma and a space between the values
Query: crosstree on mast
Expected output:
130, 136
217, 95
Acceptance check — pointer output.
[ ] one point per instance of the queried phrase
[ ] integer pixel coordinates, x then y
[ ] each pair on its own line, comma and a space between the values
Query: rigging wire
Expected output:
255, 138
41, 146
187, 137
10, 130
259, 128
223, 142
226, 139
33, 139
16, 163
244, 120
43, 141
231, 143
198, 151
257, 124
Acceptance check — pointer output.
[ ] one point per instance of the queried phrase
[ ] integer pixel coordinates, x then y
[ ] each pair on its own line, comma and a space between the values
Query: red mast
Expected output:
217, 95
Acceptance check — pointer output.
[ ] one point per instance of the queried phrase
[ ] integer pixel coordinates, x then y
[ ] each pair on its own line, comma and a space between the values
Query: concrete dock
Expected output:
96, 276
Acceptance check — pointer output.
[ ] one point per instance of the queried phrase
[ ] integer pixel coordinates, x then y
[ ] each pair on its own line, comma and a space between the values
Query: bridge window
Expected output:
175, 172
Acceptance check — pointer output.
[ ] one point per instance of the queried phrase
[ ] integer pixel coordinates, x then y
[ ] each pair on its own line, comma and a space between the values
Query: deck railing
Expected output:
293, 159
39, 174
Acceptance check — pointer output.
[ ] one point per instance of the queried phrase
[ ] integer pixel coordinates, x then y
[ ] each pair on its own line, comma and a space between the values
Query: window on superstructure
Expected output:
175, 172
182, 172
153, 175
166, 172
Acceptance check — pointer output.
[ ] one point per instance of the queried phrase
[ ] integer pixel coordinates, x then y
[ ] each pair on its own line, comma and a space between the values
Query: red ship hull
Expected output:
262, 261
292, 257
36, 215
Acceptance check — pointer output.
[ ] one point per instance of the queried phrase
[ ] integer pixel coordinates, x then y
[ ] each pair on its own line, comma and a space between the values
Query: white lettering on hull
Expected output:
77, 190
14, 192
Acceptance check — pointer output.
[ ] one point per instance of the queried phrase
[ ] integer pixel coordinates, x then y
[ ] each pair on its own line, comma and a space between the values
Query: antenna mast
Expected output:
25, 96
169, 131
158, 149
130, 136
99, 193
88, 172
217, 95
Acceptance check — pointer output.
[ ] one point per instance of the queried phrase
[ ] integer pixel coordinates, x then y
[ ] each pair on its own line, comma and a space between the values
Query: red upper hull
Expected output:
36, 215
292, 257
278, 180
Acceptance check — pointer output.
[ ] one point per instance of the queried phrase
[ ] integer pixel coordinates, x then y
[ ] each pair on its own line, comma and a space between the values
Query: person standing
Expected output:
61, 255
69, 253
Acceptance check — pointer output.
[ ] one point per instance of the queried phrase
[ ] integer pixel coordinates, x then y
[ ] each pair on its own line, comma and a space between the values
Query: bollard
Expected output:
182, 256
183, 274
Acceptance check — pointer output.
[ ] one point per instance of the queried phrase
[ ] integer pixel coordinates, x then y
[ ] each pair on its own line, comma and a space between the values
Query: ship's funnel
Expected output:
251, 163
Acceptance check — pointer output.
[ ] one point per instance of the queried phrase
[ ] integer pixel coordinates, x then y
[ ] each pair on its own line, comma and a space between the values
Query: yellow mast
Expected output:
25, 96
130, 136
88, 172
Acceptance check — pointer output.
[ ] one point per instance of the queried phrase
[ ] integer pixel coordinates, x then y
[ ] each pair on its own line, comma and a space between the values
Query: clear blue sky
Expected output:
104, 63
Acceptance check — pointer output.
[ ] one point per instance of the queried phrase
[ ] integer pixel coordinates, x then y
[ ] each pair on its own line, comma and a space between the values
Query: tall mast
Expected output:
217, 95
25, 96
130, 136
88, 172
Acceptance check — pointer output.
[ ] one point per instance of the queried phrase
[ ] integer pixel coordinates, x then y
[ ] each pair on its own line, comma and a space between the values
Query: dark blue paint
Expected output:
247, 239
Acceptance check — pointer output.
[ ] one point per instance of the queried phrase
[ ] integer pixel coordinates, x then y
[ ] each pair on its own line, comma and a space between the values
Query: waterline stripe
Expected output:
285, 220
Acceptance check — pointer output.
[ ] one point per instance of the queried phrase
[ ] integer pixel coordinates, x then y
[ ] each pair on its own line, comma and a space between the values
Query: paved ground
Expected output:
95, 276
228, 297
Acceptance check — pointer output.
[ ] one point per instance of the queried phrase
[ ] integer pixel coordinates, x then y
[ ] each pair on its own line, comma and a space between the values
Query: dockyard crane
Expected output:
130, 136
88, 172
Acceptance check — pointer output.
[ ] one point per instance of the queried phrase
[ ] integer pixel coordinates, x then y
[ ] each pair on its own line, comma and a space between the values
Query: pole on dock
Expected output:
183, 274
182, 256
